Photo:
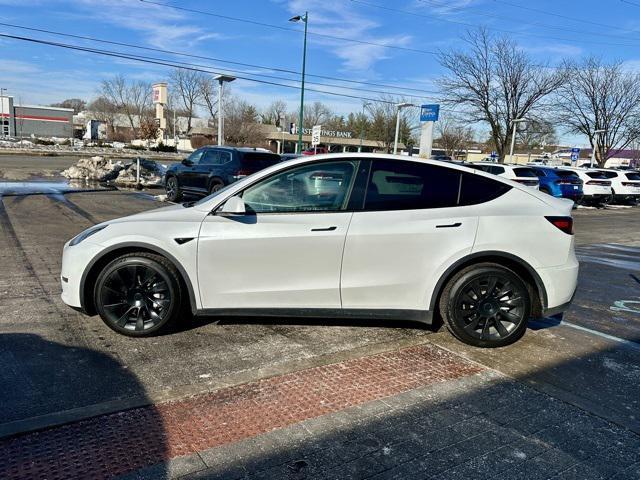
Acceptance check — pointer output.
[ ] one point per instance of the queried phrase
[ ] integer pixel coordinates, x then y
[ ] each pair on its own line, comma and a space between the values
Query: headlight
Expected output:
86, 234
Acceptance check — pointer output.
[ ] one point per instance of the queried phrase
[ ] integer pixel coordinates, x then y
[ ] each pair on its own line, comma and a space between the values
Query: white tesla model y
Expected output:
340, 236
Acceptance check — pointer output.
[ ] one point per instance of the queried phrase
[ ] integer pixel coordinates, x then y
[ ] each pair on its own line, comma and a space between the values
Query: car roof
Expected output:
239, 149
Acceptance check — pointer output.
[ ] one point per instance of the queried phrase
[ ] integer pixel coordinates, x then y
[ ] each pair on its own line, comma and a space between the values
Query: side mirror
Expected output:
186, 162
232, 207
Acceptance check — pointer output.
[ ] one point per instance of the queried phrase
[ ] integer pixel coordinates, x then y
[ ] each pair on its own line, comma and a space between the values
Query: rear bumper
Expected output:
560, 283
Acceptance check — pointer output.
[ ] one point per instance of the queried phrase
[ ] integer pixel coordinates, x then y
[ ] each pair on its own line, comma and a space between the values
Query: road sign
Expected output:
575, 154
494, 154
429, 113
316, 131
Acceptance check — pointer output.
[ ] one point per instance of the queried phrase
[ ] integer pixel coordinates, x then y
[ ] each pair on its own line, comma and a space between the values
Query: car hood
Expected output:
171, 213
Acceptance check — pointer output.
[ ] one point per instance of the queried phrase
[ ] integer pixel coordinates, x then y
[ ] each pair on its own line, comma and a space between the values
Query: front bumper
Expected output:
74, 262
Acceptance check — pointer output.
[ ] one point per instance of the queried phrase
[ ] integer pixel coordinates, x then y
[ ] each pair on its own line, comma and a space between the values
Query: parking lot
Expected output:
61, 367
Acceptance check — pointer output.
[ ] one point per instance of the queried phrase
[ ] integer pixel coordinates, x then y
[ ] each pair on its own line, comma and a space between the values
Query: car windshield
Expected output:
524, 172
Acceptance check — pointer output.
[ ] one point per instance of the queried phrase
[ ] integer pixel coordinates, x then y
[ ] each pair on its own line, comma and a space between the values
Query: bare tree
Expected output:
382, 125
273, 114
241, 125
104, 111
495, 82
599, 96
316, 114
77, 104
537, 134
188, 86
149, 129
452, 135
133, 99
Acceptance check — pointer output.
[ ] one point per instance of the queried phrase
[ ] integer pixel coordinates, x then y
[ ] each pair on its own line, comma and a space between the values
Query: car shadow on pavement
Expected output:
38, 395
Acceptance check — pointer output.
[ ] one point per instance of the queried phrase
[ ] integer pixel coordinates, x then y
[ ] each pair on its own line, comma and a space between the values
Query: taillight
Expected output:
631, 184
568, 182
563, 223
602, 183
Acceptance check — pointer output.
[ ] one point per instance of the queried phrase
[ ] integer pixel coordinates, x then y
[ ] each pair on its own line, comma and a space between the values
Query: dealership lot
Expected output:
61, 366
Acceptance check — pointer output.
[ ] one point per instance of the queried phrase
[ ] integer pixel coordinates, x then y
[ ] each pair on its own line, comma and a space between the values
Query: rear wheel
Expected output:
174, 193
486, 305
139, 294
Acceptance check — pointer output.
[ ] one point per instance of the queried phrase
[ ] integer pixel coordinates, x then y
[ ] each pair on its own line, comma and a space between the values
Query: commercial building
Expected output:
32, 120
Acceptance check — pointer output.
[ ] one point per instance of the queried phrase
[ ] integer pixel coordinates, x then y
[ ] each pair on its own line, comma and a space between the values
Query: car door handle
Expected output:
327, 229
452, 225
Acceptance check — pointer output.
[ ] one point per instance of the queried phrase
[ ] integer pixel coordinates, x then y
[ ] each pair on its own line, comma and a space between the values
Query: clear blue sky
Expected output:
43, 74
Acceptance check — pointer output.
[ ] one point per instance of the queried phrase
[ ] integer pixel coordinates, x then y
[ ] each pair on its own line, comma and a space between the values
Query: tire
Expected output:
502, 319
139, 295
215, 185
174, 192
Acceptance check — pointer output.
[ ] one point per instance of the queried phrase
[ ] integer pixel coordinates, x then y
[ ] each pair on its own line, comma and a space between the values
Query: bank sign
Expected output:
429, 113
326, 133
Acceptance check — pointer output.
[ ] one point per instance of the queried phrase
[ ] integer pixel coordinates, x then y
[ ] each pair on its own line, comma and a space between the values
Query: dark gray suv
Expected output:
208, 169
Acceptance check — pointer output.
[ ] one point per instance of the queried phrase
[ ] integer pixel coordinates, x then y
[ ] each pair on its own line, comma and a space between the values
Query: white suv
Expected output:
342, 235
596, 186
518, 173
625, 185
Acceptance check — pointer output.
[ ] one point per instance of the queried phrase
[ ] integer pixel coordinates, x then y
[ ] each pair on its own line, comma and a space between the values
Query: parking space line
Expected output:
622, 341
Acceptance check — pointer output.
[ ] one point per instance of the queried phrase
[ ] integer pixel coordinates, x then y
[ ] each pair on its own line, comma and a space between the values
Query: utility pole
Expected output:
515, 123
2, 90
399, 106
364, 105
221, 79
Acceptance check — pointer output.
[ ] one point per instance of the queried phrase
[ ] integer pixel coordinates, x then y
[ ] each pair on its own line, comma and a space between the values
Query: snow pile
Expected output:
103, 170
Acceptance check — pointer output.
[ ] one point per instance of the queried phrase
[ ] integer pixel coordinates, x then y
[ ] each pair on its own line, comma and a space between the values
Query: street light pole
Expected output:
304, 18
596, 136
399, 106
221, 79
513, 136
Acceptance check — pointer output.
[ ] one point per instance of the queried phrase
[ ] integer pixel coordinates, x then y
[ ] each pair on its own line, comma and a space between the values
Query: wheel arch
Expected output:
212, 178
513, 262
92, 270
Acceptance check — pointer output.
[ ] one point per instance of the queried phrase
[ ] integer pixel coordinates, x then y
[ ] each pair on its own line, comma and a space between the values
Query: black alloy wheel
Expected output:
174, 193
486, 306
138, 294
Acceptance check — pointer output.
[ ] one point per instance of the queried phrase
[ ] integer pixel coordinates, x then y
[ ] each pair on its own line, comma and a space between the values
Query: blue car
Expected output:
559, 183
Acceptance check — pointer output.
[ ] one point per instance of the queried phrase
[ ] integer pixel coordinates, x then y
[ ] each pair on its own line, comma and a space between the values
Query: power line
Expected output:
630, 3
168, 63
279, 27
457, 22
171, 52
517, 20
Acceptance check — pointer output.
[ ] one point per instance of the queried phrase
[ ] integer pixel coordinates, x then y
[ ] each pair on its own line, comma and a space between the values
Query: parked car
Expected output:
289, 156
625, 185
518, 173
559, 183
365, 235
209, 169
596, 187
442, 158
315, 151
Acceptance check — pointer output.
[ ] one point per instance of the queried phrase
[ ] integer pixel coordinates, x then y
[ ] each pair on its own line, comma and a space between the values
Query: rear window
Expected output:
524, 172
258, 160
599, 175
566, 174
633, 176
610, 174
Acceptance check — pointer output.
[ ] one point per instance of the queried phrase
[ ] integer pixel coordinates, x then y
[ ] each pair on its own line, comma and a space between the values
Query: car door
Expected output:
286, 252
209, 161
413, 224
189, 168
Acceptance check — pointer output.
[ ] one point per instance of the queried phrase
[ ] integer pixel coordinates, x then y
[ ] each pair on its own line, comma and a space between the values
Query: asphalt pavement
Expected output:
60, 366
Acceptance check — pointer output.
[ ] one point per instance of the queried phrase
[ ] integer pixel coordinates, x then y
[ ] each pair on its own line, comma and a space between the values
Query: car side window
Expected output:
475, 189
404, 185
225, 157
210, 157
195, 157
496, 170
319, 187
540, 173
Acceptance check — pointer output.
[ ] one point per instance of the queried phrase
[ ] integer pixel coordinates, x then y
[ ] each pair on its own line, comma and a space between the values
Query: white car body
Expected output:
625, 184
390, 264
512, 172
594, 189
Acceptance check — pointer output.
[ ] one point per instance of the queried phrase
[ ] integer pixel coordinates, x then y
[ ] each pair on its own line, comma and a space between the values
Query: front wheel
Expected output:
139, 294
174, 193
216, 184
486, 305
